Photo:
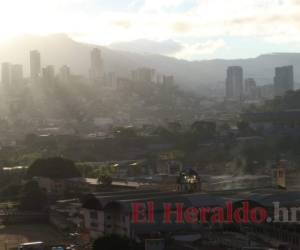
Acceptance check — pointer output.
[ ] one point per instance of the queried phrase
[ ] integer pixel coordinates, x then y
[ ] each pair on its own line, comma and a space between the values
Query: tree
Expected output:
204, 129
244, 128
105, 180
291, 100
174, 127
135, 169
112, 242
55, 168
11, 191
32, 197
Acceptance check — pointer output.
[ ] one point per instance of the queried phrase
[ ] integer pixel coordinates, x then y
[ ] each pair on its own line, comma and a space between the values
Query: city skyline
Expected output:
237, 87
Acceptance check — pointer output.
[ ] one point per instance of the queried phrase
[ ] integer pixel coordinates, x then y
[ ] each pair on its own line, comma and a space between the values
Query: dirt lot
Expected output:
11, 236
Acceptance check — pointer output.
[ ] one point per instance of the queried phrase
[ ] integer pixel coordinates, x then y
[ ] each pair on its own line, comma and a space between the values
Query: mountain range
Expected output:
59, 49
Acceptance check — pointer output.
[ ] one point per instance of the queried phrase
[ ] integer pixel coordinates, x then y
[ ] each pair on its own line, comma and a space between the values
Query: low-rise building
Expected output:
281, 123
59, 187
106, 213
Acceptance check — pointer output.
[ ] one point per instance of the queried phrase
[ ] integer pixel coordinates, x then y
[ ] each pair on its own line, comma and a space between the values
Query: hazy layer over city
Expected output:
60, 49
183, 29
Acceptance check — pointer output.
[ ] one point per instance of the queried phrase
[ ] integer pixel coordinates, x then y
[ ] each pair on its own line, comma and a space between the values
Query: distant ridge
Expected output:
59, 49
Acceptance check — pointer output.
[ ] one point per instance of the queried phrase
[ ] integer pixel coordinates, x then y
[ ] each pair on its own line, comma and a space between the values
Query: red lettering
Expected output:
191, 215
137, 210
178, 213
150, 206
203, 214
258, 211
241, 215
229, 212
218, 215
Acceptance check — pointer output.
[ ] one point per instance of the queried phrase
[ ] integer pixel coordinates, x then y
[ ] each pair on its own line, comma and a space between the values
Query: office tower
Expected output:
159, 79
143, 75
234, 83
16, 74
110, 80
250, 84
64, 73
5, 74
48, 73
283, 80
266, 91
169, 80
250, 88
96, 70
35, 64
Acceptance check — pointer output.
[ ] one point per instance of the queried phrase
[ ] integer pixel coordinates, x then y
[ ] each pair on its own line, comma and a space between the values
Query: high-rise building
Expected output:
5, 74
96, 70
110, 81
35, 64
143, 75
283, 80
251, 91
266, 91
234, 83
16, 74
64, 73
159, 79
169, 80
250, 84
49, 73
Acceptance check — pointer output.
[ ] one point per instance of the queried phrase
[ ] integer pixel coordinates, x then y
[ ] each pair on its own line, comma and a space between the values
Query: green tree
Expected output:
204, 129
244, 128
105, 180
135, 169
174, 127
11, 191
32, 197
55, 168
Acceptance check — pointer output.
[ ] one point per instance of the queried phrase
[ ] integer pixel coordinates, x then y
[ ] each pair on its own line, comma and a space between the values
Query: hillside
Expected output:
60, 49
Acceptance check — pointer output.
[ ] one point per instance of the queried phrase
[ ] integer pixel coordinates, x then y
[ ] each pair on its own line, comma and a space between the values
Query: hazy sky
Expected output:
190, 29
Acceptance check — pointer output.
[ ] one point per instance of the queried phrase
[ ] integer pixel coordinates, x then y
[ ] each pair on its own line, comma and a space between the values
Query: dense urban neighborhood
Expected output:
111, 162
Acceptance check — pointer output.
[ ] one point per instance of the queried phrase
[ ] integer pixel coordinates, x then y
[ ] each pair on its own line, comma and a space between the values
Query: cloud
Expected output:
194, 51
167, 47
209, 46
125, 24
181, 27
154, 19
171, 48
160, 5
185, 21
295, 2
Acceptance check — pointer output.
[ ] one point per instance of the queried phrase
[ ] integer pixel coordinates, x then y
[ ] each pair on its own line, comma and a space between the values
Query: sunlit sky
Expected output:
189, 29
